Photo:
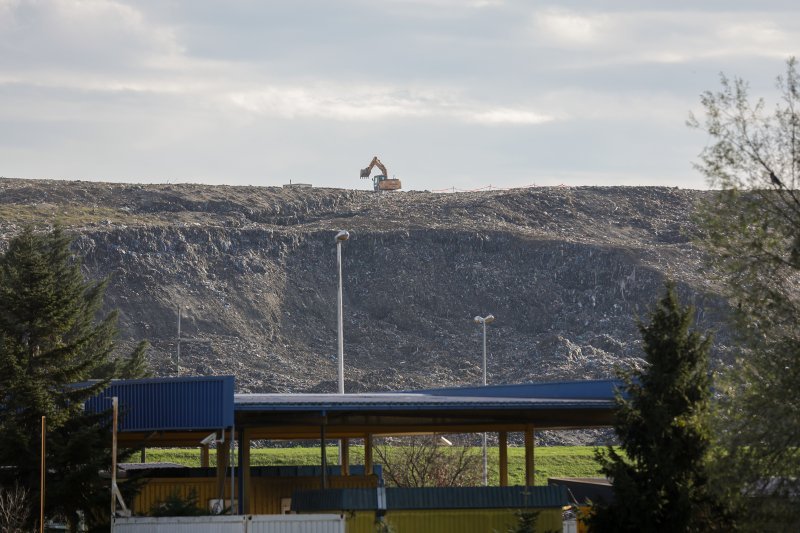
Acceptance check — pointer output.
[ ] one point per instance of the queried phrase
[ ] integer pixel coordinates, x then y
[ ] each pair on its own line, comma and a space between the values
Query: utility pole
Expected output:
488, 319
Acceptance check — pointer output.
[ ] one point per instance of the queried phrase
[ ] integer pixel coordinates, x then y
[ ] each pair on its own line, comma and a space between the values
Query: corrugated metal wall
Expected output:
296, 524
267, 492
265, 496
465, 520
361, 522
187, 524
158, 490
450, 520
190, 403
232, 524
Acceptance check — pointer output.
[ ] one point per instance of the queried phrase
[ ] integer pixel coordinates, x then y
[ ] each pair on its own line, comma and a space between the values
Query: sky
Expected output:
450, 94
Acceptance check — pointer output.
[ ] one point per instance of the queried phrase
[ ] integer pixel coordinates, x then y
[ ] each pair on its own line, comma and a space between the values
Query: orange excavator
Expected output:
380, 182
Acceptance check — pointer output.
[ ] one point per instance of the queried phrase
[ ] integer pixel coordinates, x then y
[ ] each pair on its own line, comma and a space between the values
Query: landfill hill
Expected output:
566, 271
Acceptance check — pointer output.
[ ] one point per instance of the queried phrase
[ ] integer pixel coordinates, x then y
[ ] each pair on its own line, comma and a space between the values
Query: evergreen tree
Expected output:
661, 482
53, 336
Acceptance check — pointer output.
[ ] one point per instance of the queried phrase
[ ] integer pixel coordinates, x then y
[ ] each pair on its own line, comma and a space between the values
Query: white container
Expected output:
317, 523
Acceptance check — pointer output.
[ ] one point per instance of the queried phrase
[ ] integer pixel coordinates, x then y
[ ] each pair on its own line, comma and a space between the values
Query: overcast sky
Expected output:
449, 93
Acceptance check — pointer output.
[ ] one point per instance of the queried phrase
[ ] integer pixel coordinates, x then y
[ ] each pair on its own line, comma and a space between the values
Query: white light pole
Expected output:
178, 357
340, 238
488, 319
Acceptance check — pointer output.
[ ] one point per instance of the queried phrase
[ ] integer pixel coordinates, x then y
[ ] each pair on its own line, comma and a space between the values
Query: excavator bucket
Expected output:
365, 172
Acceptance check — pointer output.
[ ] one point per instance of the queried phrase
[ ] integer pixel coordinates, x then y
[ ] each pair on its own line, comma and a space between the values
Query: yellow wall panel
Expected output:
159, 489
466, 520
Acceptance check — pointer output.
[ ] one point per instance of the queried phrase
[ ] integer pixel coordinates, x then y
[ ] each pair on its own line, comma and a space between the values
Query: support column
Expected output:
204, 456
368, 455
223, 453
244, 471
345, 457
502, 443
143, 456
323, 456
529, 464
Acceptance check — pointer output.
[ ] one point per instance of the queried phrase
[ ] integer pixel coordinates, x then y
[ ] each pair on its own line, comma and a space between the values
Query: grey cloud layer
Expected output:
228, 91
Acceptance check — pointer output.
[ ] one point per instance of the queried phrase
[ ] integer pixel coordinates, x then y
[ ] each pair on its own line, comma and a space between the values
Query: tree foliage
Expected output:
423, 462
661, 482
54, 335
752, 233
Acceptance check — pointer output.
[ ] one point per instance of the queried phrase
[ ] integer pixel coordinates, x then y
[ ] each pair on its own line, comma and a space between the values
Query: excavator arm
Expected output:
365, 172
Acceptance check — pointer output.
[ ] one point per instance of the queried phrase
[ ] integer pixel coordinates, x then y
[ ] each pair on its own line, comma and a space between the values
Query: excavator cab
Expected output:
380, 182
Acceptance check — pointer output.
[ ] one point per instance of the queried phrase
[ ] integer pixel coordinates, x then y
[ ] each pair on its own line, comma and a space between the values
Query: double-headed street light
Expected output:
340, 238
488, 319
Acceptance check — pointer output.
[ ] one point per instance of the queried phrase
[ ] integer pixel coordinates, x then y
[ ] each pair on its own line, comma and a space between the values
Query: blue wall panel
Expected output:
162, 404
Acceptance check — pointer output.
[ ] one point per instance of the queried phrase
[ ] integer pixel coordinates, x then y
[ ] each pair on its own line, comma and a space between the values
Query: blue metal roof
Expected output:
208, 403
170, 404
601, 389
599, 394
402, 401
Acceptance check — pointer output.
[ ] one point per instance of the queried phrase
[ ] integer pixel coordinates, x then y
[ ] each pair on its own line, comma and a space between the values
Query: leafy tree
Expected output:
54, 335
15, 508
661, 482
752, 233
422, 462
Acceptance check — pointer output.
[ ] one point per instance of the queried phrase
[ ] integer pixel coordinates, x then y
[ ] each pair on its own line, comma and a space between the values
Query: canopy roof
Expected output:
182, 411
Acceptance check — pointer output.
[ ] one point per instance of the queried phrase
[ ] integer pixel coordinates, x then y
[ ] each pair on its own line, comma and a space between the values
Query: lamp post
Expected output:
488, 319
178, 355
340, 238
178, 343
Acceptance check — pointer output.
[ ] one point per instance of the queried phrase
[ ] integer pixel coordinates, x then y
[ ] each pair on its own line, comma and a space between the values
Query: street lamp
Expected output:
340, 238
178, 354
488, 319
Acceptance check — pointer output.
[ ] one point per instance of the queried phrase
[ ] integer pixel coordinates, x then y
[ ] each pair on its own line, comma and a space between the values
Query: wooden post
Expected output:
222, 465
114, 407
503, 449
204, 456
529, 464
345, 457
42, 480
244, 470
143, 456
323, 456
368, 455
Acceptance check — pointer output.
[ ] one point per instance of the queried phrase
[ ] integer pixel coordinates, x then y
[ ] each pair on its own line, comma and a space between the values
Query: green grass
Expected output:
66, 214
551, 461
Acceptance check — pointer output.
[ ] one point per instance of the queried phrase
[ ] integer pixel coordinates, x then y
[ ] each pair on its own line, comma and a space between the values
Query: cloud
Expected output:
147, 87
91, 35
570, 27
509, 116
350, 103
660, 36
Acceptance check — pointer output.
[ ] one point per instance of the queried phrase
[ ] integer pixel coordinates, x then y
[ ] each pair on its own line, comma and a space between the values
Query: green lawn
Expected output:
551, 461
